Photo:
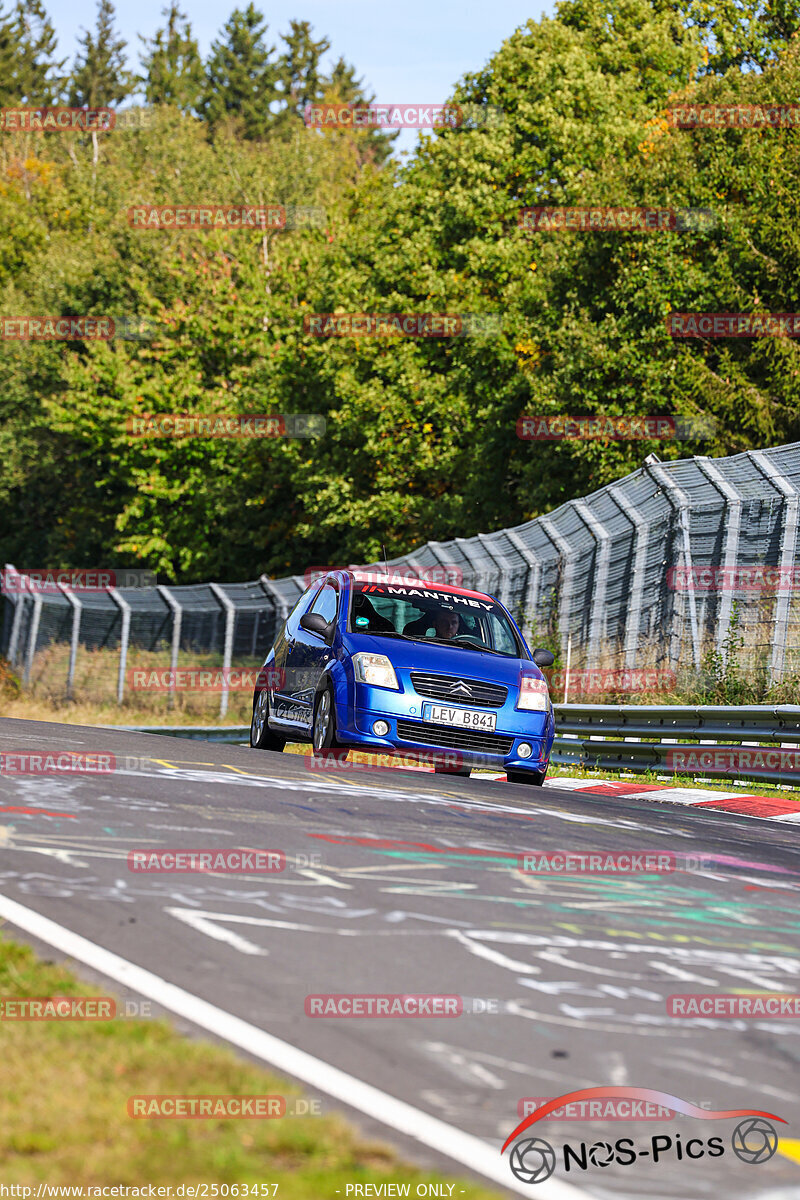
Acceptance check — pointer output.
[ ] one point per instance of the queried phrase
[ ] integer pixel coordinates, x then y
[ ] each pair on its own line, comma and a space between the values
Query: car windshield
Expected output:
427, 614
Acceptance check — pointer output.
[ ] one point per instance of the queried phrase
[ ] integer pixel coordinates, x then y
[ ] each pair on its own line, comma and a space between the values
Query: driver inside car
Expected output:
445, 621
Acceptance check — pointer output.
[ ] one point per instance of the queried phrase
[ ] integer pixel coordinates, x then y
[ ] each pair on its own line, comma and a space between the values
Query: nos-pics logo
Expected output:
533, 1160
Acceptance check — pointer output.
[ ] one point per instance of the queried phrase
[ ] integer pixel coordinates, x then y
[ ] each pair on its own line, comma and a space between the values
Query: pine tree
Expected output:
10, 56
241, 75
100, 77
298, 67
342, 87
42, 79
29, 74
173, 70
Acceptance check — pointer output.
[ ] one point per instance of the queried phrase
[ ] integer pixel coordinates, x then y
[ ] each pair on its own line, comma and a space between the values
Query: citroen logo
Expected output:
460, 689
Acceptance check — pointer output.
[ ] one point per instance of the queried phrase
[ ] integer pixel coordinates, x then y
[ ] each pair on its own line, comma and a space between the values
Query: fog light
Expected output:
380, 729
524, 750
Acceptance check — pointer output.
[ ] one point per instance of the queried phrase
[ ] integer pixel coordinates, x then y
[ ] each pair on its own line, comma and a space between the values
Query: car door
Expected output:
285, 712
312, 654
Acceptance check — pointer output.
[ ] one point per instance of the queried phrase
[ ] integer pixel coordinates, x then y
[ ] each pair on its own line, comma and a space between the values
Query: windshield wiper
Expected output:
482, 649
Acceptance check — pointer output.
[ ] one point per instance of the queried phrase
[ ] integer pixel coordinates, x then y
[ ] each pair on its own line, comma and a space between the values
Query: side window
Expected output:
326, 602
299, 608
504, 640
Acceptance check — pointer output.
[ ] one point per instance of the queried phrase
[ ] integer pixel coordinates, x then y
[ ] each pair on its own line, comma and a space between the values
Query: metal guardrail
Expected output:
231, 734
714, 741
747, 742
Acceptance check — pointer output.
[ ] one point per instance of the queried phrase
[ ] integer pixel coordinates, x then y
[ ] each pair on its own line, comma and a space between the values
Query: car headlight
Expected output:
533, 694
376, 670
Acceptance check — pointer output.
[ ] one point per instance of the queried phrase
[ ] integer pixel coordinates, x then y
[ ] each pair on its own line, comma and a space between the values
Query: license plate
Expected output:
465, 718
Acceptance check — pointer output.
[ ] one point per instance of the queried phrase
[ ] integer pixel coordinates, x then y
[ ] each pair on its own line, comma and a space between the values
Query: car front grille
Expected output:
439, 687
456, 739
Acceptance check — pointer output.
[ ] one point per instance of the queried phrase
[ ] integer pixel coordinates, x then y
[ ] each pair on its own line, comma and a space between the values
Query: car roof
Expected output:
399, 580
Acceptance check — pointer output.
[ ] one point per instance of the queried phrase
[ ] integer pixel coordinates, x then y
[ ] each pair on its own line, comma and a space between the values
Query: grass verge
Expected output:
63, 1116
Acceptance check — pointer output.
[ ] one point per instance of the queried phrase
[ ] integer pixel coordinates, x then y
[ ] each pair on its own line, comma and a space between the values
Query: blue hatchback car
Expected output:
365, 661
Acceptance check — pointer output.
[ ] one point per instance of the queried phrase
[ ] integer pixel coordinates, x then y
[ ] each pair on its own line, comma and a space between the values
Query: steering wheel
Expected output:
468, 637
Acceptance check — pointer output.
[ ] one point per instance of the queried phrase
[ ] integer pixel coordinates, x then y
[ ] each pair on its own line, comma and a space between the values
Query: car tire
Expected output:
535, 778
261, 736
323, 728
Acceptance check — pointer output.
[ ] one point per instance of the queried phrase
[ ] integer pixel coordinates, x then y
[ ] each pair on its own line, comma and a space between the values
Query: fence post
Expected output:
18, 601
77, 607
271, 590
124, 638
600, 583
227, 654
177, 621
789, 548
681, 505
633, 615
504, 565
34, 633
565, 591
733, 513
534, 574
435, 549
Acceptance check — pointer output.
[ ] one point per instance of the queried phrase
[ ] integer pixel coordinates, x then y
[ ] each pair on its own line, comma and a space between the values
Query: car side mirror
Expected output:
542, 658
315, 623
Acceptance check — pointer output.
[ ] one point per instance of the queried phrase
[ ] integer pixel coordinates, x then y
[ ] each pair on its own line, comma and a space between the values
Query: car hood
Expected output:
445, 660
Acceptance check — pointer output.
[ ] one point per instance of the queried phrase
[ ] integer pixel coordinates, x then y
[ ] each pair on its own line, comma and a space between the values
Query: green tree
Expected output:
173, 69
299, 67
741, 34
100, 76
29, 71
242, 75
373, 146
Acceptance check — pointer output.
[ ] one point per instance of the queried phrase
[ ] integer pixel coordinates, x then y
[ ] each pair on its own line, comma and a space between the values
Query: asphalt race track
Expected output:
402, 882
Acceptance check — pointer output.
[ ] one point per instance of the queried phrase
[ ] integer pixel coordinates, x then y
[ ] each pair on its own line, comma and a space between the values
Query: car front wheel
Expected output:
323, 734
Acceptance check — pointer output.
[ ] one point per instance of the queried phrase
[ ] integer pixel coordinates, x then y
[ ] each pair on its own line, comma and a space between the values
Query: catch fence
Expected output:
674, 563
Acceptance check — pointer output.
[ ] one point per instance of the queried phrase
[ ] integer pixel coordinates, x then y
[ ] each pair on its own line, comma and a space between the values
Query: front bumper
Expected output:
402, 712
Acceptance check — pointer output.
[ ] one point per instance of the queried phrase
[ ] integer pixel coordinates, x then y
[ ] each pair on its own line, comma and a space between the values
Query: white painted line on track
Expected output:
463, 1148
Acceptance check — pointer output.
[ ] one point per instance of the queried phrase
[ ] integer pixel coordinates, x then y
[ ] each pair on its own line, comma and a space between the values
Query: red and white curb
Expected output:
768, 808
